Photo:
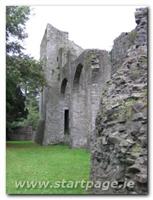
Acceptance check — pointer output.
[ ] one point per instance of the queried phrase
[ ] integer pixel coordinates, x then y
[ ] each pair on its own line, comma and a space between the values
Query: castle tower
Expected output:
54, 55
71, 97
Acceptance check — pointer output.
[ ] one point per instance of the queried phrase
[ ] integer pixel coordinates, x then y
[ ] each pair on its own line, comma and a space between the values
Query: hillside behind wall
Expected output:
119, 150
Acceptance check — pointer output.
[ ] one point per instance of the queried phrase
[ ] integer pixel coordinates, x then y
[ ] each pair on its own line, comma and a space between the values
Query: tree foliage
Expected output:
16, 18
24, 75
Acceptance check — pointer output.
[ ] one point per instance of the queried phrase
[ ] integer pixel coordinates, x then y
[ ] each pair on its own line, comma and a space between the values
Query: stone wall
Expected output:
71, 97
82, 82
120, 47
55, 54
136, 37
119, 144
91, 70
20, 134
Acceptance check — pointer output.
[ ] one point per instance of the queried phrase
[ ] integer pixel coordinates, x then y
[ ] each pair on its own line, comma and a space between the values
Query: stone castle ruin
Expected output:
120, 144
75, 78
98, 100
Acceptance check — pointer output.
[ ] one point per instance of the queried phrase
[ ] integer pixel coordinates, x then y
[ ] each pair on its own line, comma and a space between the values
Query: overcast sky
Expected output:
88, 26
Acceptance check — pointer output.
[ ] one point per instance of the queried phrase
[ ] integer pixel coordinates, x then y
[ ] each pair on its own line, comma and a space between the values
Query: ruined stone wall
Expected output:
123, 43
20, 134
83, 77
119, 145
75, 79
55, 40
55, 48
94, 68
120, 47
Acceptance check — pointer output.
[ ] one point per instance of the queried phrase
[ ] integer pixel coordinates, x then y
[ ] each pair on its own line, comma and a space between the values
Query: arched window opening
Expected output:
63, 86
77, 76
59, 57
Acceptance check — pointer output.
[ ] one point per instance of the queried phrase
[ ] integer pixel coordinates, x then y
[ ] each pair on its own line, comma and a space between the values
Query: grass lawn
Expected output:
30, 162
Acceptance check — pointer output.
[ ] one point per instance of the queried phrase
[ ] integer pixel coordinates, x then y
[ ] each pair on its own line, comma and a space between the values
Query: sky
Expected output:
88, 26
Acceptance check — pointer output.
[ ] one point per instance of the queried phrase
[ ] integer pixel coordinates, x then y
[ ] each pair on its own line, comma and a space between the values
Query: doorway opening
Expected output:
66, 122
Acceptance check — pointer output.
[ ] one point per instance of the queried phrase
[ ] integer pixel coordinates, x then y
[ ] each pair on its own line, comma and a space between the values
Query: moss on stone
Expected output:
132, 36
136, 148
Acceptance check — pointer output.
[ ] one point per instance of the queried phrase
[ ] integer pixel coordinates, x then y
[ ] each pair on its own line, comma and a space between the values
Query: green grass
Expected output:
30, 162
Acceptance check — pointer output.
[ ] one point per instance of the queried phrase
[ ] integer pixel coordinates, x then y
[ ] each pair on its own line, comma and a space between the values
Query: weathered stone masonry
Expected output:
119, 143
82, 83
70, 101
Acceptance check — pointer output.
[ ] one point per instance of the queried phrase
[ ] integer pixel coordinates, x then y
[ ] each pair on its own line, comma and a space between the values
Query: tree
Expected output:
16, 18
24, 75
